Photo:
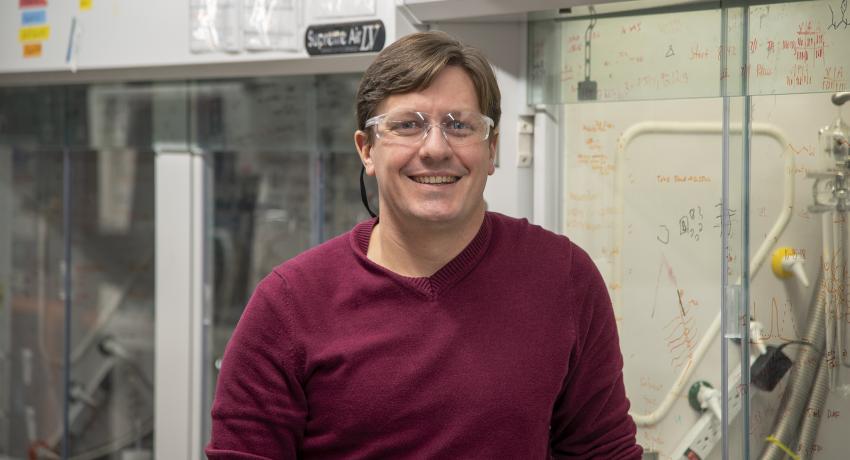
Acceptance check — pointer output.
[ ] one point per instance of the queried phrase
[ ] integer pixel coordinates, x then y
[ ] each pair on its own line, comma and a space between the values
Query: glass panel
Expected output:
31, 117
797, 204
31, 256
32, 312
544, 76
284, 178
671, 53
634, 51
798, 47
661, 263
112, 282
112, 265
799, 297
769, 161
107, 133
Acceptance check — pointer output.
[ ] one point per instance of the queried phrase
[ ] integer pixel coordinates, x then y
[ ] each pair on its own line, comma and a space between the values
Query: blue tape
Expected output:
33, 17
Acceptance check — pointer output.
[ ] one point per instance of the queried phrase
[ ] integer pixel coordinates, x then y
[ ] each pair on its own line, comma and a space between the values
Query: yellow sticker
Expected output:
85, 4
34, 34
32, 50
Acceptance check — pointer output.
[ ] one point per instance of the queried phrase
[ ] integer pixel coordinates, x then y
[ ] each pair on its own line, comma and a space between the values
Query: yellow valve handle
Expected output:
779, 256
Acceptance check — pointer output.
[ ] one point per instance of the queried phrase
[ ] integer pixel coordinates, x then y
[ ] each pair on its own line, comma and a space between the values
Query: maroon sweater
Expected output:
509, 351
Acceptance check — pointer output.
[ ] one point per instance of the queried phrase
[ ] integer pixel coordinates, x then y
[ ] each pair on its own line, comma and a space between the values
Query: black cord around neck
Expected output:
363, 192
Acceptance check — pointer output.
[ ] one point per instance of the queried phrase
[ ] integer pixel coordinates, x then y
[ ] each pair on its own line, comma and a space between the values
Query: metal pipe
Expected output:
840, 98
67, 227
796, 396
833, 282
840, 300
814, 412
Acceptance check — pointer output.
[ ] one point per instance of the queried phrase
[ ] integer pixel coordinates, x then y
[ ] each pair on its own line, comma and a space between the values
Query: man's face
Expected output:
406, 174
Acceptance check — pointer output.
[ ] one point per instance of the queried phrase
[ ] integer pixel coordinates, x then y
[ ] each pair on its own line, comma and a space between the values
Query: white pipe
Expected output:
672, 127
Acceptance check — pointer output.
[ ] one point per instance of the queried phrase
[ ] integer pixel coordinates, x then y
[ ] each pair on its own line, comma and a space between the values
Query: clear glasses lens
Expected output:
409, 128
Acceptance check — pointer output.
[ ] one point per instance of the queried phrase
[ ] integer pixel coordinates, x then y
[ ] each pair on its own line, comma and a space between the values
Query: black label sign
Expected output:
353, 37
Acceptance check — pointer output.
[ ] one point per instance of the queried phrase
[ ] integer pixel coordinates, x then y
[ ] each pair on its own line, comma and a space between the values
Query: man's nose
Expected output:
436, 145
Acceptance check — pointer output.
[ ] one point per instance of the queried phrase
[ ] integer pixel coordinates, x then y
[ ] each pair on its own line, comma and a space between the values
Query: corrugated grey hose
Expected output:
796, 397
809, 428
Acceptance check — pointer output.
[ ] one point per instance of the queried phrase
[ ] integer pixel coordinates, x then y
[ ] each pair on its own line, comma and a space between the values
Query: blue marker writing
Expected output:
71, 40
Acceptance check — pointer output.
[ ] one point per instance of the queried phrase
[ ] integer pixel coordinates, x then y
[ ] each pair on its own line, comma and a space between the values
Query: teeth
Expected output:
435, 179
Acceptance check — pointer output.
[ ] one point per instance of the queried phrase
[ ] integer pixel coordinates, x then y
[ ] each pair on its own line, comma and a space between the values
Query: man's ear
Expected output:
364, 149
493, 146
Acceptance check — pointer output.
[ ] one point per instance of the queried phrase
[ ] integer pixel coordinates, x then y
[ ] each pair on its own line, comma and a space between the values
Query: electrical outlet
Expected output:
701, 438
707, 431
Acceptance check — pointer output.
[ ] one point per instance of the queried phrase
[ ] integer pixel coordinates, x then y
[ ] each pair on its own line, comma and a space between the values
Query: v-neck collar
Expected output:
434, 285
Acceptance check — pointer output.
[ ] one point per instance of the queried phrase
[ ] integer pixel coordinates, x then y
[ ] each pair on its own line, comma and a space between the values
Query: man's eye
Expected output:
457, 125
404, 126
459, 128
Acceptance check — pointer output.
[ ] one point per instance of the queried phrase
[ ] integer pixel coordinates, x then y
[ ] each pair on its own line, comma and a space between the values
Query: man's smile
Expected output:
436, 180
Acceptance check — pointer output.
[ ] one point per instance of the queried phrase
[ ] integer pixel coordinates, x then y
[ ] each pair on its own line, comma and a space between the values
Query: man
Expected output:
437, 330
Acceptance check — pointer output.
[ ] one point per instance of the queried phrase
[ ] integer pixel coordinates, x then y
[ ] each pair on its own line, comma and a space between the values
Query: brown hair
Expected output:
414, 61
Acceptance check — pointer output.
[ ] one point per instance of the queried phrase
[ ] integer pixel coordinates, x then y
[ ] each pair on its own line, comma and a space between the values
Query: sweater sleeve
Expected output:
260, 408
590, 419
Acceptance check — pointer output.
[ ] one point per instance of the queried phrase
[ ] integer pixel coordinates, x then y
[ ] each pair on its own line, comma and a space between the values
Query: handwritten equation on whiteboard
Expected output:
791, 47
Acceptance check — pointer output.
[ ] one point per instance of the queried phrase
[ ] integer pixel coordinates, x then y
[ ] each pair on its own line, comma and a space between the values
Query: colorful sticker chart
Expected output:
34, 30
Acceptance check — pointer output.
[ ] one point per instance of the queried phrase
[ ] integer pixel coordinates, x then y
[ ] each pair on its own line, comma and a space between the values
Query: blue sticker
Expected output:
33, 17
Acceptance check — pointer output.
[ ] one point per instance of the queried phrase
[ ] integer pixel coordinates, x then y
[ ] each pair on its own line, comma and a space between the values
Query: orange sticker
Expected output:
32, 50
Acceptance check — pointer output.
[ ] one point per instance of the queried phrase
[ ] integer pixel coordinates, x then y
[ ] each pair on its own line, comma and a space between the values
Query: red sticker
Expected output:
31, 3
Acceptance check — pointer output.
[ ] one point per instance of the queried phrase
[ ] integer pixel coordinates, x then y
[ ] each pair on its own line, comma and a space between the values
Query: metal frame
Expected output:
5, 292
547, 168
180, 253
301, 66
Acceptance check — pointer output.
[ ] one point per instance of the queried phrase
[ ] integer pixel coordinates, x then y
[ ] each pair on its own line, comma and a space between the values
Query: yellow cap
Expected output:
779, 256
